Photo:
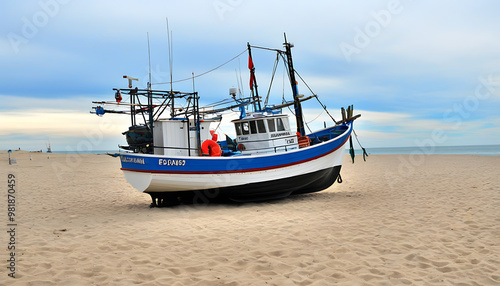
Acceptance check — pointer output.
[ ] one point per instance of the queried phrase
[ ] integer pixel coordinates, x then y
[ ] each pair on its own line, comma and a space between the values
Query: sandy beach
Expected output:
395, 220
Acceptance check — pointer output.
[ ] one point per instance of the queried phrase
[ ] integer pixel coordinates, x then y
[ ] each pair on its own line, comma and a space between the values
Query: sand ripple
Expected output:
432, 223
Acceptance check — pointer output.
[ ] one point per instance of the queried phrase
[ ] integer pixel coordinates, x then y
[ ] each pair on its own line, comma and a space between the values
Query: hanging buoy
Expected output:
118, 96
210, 148
241, 147
99, 111
304, 141
215, 137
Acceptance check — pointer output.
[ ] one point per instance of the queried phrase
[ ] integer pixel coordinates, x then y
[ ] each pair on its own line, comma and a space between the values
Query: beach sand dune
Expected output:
395, 220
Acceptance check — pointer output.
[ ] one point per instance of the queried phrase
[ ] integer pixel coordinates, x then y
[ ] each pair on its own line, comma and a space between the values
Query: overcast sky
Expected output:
421, 73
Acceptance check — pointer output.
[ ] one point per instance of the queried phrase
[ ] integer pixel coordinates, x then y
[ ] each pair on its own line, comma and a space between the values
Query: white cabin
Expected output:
258, 133
172, 135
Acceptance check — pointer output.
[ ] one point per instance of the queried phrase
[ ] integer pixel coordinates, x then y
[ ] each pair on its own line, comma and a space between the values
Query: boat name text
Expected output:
280, 134
170, 162
133, 160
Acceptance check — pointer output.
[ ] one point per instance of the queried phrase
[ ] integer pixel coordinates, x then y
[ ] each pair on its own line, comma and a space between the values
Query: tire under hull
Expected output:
252, 192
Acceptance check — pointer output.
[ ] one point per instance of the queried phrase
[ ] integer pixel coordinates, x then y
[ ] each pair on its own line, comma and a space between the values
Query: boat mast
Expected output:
150, 96
296, 101
253, 81
150, 110
170, 60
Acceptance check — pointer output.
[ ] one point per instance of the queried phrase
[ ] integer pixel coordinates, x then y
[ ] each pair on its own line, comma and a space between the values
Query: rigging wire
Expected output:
305, 123
237, 80
288, 73
220, 102
317, 98
162, 110
242, 91
316, 117
272, 79
225, 101
202, 74
218, 125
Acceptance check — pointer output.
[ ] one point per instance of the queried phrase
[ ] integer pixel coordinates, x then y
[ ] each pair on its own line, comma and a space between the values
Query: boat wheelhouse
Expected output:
258, 133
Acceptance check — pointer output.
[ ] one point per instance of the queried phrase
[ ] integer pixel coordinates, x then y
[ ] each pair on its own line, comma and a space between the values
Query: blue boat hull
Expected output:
239, 178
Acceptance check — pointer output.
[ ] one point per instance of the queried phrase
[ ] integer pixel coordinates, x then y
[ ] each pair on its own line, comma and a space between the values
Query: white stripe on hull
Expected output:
163, 182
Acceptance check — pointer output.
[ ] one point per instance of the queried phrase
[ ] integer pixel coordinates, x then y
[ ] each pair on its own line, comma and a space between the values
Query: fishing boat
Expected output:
174, 156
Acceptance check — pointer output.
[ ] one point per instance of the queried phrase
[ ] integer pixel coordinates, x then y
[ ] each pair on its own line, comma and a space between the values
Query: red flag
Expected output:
250, 62
251, 80
251, 68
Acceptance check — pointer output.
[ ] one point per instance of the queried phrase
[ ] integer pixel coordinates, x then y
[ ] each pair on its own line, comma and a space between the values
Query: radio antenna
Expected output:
149, 58
170, 54
170, 64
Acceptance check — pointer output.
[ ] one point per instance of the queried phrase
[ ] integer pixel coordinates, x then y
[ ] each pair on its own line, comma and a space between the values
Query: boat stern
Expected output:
139, 180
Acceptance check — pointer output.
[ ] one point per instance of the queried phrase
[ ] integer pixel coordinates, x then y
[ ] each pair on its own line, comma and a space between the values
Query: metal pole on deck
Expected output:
293, 82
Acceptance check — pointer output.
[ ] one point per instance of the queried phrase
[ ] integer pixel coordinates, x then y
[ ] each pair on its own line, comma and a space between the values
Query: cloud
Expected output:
73, 104
425, 61
46, 122
58, 121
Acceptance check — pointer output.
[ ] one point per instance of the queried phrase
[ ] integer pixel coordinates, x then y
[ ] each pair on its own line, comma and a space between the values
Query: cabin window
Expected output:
270, 124
286, 123
261, 126
281, 126
238, 128
245, 127
253, 127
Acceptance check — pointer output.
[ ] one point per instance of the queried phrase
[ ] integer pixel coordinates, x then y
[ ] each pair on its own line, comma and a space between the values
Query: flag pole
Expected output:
253, 81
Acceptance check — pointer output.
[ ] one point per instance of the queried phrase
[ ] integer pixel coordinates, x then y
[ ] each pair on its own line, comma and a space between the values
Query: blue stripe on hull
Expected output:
204, 165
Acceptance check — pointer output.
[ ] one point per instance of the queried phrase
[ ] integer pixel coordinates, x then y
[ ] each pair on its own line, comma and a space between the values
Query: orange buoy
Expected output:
210, 148
214, 135
304, 141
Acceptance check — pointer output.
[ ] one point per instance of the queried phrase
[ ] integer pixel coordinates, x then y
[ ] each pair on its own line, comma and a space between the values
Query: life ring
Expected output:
210, 148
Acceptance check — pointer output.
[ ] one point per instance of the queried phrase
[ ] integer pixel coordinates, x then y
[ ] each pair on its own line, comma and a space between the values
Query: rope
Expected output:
364, 151
316, 117
202, 74
324, 107
305, 83
272, 79
218, 126
351, 149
